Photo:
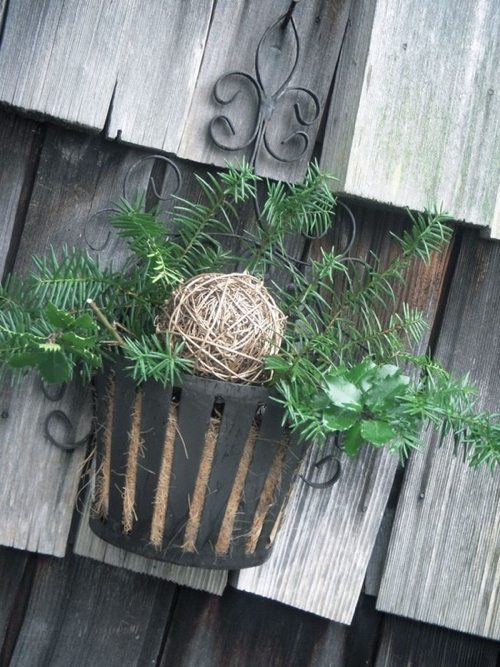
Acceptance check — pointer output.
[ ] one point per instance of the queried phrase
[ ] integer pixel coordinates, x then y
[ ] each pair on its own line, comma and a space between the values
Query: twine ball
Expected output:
228, 324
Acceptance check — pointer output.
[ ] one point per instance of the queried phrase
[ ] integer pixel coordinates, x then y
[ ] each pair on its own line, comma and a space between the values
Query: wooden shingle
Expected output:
38, 480
232, 43
444, 557
414, 118
61, 58
158, 71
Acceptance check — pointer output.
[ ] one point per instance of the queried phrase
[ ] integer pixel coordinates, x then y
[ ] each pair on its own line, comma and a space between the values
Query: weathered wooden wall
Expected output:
414, 119
443, 565
54, 184
56, 613
329, 535
144, 72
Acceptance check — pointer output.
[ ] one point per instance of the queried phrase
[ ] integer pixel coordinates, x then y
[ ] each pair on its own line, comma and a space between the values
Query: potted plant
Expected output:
211, 375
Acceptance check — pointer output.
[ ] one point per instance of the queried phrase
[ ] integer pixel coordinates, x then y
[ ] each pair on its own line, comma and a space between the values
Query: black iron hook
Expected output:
288, 15
323, 461
66, 446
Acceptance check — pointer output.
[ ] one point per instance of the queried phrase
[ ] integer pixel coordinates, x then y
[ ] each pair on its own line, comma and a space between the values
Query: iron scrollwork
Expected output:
269, 95
70, 444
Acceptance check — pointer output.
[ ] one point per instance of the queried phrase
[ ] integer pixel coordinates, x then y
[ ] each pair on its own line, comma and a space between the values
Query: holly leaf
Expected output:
377, 431
84, 322
387, 390
387, 370
58, 318
75, 341
361, 371
54, 367
353, 440
49, 347
339, 420
342, 393
24, 359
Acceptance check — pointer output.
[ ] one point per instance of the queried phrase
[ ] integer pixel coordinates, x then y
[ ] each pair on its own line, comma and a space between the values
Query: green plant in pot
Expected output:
213, 366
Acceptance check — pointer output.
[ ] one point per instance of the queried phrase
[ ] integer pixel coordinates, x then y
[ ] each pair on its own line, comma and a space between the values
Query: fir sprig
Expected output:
343, 366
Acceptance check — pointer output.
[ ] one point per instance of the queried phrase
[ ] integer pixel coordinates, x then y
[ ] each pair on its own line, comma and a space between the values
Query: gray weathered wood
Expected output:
236, 29
322, 551
77, 176
89, 614
375, 568
19, 143
443, 564
158, 71
61, 58
12, 570
89, 545
408, 643
3, 5
414, 118
238, 630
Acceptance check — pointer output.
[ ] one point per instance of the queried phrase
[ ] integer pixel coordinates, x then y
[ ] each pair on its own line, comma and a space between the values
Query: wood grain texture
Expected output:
408, 643
235, 31
375, 568
414, 119
443, 565
88, 614
19, 143
239, 630
322, 551
61, 58
90, 545
76, 176
158, 72
12, 569
3, 7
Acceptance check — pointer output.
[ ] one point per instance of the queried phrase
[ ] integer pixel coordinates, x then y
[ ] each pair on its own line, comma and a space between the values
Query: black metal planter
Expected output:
195, 475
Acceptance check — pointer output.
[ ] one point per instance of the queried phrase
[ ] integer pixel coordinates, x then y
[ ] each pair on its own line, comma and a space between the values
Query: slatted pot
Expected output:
195, 475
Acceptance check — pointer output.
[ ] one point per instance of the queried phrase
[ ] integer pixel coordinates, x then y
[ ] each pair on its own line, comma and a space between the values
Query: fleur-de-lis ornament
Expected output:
276, 60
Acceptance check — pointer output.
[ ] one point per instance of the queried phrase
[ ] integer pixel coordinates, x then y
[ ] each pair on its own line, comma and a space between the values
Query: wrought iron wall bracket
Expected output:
268, 95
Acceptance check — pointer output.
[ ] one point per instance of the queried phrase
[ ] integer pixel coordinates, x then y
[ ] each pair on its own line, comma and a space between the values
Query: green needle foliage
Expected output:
344, 365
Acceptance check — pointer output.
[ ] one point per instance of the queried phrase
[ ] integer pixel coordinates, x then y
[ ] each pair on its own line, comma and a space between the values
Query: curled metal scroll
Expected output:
267, 98
269, 95
55, 393
67, 445
128, 195
332, 459
168, 162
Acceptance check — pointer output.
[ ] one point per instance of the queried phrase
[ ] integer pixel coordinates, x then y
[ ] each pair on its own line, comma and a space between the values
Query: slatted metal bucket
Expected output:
195, 475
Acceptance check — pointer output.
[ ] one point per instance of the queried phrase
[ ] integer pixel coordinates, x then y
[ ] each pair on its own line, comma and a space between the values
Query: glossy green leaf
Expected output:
24, 359
342, 393
339, 420
353, 440
361, 371
75, 341
376, 431
58, 318
54, 367
84, 322
387, 390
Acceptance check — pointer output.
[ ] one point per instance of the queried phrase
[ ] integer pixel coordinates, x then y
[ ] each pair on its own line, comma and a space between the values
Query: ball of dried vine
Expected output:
228, 323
